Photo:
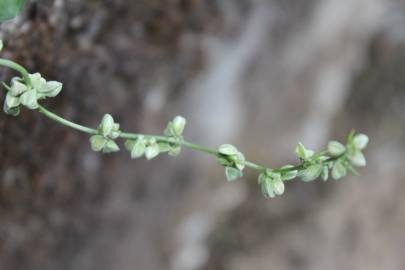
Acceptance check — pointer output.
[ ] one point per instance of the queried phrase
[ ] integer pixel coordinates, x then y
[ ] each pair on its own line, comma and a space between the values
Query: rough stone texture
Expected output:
259, 74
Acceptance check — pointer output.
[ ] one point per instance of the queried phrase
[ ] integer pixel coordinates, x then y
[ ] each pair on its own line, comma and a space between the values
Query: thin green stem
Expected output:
133, 136
16, 67
65, 122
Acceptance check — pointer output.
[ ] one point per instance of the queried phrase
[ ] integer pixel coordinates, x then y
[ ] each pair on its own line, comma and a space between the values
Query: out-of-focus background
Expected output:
260, 74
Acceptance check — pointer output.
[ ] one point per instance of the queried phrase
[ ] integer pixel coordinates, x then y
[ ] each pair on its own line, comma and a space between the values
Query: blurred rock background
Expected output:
261, 74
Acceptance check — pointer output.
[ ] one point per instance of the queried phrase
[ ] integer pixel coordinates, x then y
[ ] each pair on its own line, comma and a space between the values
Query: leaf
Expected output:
302, 152
1, 45
152, 151
339, 170
266, 186
110, 147
336, 148
106, 125
239, 161
278, 185
288, 175
232, 173
138, 149
97, 142
228, 149
10, 8
311, 173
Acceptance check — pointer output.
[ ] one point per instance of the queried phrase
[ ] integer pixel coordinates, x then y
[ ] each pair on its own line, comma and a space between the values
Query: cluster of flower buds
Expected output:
338, 158
21, 92
107, 132
149, 147
233, 160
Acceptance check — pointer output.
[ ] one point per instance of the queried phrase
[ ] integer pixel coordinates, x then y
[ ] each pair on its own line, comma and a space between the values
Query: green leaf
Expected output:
29, 99
232, 173
357, 158
239, 160
278, 185
339, 170
311, 173
110, 147
97, 142
228, 150
10, 9
266, 186
360, 141
288, 175
336, 148
152, 151
1, 45
138, 149
302, 152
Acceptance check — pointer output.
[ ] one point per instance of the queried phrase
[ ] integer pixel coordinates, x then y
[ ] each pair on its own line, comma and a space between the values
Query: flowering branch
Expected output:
29, 89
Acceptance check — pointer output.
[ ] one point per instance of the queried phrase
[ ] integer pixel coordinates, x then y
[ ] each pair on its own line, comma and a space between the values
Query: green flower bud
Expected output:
311, 173
232, 173
136, 147
336, 148
339, 170
179, 123
97, 142
239, 160
278, 184
360, 141
110, 147
152, 151
106, 125
357, 158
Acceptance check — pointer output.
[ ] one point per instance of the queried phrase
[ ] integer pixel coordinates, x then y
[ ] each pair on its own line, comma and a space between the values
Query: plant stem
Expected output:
16, 67
133, 136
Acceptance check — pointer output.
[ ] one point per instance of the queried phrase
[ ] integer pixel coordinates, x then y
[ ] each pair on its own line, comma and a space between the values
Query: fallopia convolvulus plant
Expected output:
28, 90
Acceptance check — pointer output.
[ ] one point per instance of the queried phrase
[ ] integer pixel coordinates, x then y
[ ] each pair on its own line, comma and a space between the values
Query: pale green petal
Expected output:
29, 99
336, 148
97, 142
360, 141
227, 149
